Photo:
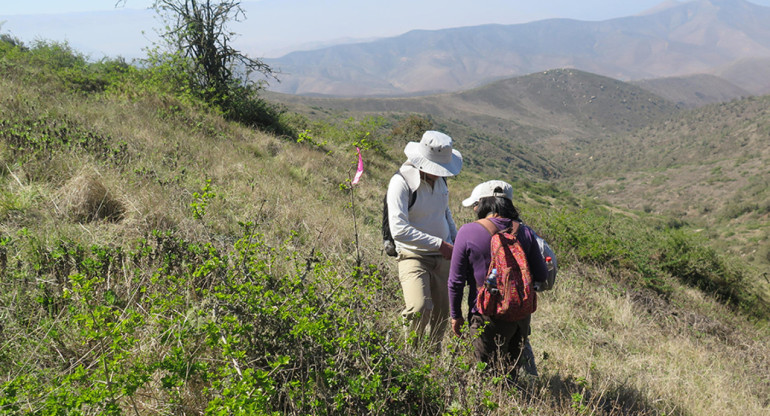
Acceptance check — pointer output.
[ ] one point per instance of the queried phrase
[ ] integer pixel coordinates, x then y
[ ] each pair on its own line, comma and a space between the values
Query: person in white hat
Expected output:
423, 231
493, 339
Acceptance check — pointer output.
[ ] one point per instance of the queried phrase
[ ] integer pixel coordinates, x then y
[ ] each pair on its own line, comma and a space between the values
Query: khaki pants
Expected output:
424, 283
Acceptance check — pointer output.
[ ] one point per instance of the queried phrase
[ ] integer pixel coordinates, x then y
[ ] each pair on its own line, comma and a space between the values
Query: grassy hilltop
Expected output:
156, 258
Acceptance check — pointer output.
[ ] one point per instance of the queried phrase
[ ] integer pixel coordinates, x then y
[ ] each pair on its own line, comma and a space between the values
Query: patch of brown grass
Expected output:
84, 199
677, 359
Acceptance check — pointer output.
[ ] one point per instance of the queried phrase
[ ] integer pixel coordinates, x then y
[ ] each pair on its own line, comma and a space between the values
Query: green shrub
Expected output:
652, 254
693, 262
255, 329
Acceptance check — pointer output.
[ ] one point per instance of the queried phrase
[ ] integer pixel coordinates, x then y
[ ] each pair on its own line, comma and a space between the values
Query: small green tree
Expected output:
198, 30
199, 42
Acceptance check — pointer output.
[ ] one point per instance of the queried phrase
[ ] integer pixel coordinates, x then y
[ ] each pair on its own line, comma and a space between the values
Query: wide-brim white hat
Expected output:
434, 154
487, 189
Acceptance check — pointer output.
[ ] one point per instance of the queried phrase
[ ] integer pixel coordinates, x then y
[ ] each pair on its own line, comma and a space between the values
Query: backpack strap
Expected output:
492, 229
412, 199
412, 193
387, 237
488, 225
514, 229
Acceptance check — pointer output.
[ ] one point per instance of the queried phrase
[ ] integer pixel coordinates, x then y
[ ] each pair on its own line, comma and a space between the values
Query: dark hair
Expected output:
497, 205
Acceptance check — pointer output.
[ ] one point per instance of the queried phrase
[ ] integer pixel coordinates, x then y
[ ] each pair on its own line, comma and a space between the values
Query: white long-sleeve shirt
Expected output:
422, 228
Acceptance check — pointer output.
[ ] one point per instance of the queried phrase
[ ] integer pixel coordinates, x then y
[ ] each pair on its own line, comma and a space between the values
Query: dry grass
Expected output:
623, 351
677, 360
84, 199
627, 354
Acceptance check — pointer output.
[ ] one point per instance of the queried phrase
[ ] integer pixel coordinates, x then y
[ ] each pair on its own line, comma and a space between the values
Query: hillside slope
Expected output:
749, 74
156, 258
700, 36
709, 165
608, 139
516, 117
694, 90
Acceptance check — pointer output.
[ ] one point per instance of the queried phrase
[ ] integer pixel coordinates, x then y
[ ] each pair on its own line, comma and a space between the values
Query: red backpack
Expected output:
514, 297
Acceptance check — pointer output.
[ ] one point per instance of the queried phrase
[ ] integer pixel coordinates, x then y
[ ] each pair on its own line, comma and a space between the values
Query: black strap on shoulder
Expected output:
386, 236
412, 196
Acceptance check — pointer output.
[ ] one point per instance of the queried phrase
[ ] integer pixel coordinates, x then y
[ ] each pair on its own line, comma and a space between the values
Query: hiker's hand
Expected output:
457, 324
446, 250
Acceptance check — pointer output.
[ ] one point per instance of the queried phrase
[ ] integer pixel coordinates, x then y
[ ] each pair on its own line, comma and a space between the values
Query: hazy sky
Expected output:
275, 27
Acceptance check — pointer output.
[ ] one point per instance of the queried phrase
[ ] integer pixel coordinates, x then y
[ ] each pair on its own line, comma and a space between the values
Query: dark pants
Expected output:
499, 342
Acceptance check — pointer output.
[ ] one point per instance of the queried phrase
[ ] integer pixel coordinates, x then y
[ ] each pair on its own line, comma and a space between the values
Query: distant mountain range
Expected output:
725, 38
520, 117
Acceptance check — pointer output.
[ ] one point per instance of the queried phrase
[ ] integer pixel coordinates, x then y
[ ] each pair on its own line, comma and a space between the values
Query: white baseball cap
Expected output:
487, 189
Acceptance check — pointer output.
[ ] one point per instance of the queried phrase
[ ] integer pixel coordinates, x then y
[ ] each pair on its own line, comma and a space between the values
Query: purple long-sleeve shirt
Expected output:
471, 257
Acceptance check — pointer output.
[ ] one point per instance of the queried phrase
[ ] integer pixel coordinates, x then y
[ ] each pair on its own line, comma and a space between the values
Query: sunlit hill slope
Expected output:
156, 258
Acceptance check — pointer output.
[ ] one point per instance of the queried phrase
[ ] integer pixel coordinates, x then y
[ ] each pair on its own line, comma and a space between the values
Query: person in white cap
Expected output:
492, 338
424, 231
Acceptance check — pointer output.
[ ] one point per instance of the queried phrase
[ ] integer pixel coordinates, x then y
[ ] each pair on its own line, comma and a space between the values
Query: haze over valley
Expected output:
725, 38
